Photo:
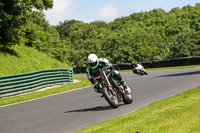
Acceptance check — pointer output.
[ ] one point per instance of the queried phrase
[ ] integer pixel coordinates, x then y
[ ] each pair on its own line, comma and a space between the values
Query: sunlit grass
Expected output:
21, 59
37, 94
176, 67
161, 68
177, 114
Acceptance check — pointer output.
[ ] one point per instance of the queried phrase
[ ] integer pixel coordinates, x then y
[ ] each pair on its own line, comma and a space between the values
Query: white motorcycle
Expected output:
137, 68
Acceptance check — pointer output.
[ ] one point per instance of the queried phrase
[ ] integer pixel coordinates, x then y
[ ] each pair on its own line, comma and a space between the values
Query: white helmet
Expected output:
93, 61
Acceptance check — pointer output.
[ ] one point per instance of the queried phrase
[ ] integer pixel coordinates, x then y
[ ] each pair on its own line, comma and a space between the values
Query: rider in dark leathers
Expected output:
93, 63
133, 65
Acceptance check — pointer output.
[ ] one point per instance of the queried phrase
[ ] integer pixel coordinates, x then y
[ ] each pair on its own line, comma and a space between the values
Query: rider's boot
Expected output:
126, 87
96, 88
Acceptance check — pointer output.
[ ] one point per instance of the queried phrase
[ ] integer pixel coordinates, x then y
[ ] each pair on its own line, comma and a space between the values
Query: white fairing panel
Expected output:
104, 60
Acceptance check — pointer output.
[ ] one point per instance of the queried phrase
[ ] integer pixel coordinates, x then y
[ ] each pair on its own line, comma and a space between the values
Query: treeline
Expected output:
22, 22
144, 36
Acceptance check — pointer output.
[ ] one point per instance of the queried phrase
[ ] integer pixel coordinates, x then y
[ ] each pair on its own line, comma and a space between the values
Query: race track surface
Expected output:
74, 110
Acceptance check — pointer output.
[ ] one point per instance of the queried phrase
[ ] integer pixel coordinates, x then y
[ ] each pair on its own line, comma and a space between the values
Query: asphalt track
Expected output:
74, 110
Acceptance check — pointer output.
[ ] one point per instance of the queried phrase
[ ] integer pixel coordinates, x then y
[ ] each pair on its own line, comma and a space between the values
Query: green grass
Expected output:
177, 67
21, 59
38, 94
161, 68
177, 114
84, 82
166, 68
180, 114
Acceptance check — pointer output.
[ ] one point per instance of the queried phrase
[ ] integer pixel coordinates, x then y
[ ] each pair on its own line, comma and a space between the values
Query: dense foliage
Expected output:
13, 16
144, 36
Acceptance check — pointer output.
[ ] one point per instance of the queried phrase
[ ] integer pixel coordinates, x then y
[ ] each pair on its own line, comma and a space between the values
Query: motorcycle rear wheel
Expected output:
110, 98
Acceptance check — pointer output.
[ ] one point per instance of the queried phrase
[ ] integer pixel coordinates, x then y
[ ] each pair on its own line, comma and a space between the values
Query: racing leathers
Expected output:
102, 63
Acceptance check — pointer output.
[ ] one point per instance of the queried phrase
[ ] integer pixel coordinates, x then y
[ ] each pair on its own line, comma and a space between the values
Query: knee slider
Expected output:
117, 75
116, 72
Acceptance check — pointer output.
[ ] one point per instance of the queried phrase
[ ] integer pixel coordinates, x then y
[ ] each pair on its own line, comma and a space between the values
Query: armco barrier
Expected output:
147, 64
181, 61
30, 81
124, 66
79, 69
195, 60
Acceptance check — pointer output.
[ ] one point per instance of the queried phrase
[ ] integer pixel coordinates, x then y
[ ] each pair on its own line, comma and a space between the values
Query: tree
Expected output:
13, 16
144, 36
64, 28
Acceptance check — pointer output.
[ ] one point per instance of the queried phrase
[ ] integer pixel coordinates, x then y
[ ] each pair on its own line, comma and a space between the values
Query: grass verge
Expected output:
21, 59
67, 87
166, 68
38, 94
161, 68
177, 114
176, 67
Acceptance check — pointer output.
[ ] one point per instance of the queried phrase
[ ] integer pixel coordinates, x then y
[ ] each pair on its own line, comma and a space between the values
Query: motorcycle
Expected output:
112, 90
138, 69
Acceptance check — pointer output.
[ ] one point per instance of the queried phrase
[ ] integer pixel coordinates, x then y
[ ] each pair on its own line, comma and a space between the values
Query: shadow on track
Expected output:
98, 108
181, 74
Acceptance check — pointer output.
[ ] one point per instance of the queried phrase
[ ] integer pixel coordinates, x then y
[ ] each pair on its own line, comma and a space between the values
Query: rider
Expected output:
133, 65
95, 62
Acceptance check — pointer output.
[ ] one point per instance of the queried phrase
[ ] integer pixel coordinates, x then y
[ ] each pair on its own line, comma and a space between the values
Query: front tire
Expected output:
110, 98
127, 98
145, 73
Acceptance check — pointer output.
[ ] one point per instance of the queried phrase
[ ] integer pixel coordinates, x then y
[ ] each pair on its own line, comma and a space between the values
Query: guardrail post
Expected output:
71, 77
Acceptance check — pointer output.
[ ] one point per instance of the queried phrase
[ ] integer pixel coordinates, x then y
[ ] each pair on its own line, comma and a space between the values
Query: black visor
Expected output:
93, 64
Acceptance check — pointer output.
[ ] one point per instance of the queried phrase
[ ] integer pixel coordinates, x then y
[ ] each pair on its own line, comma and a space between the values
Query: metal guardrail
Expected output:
30, 81
181, 61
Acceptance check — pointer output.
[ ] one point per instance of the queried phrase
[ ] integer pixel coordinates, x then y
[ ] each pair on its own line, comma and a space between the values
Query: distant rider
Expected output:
93, 63
133, 65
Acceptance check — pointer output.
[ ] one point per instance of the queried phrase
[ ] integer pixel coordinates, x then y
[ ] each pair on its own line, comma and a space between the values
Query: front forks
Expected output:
114, 92
109, 85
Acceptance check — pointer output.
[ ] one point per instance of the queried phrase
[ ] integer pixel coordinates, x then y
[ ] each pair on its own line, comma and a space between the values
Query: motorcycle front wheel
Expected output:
145, 73
127, 98
110, 97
